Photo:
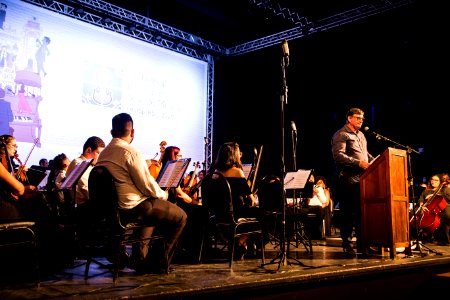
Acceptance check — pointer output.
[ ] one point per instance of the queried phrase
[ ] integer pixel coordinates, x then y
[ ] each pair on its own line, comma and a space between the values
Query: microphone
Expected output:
377, 136
294, 128
285, 48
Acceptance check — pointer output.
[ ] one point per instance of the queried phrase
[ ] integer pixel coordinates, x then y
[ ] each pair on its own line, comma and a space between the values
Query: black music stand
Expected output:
173, 172
297, 181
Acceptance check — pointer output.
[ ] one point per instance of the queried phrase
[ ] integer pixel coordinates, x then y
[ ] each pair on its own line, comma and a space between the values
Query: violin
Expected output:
21, 174
155, 165
254, 171
21, 171
190, 181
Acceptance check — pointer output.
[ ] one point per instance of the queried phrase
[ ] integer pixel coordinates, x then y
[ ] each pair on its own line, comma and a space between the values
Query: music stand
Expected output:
71, 180
297, 181
172, 173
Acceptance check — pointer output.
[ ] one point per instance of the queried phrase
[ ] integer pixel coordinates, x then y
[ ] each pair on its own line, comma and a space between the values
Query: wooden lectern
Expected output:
385, 203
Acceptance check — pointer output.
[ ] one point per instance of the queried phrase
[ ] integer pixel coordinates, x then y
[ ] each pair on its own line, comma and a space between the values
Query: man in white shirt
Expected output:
140, 197
91, 150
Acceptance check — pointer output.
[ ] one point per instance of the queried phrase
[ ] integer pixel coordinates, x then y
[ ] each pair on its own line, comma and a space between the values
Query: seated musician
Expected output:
319, 204
19, 201
436, 189
91, 150
55, 180
191, 238
228, 162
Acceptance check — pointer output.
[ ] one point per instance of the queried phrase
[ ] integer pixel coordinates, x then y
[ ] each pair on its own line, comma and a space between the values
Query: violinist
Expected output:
228, 162
8, 156
18, 200
437, 187
12, 189
191, 238
176, 195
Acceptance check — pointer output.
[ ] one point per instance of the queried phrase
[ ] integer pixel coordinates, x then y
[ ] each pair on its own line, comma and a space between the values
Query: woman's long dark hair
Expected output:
228, 156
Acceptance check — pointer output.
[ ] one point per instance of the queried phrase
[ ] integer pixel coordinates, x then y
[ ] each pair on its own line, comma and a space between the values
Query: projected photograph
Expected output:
62, 81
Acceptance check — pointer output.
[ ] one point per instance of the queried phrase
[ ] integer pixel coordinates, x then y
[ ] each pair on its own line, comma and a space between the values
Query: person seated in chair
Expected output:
140, 197
228, 162
318, 204
190, 240
91, 150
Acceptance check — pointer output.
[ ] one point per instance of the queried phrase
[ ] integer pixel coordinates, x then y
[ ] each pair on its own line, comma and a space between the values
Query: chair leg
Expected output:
116, 263
36, 262
86, 268
232, 245
263, 259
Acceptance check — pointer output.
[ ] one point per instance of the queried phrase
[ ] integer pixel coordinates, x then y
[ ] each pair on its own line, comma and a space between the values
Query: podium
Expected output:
385, 203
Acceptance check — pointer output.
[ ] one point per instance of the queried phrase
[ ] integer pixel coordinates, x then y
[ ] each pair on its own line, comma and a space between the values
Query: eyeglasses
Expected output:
359, 118
13, 145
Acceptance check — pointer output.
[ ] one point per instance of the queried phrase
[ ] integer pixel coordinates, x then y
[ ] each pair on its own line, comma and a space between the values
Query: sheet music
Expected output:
173, 172
76, 174
296, 180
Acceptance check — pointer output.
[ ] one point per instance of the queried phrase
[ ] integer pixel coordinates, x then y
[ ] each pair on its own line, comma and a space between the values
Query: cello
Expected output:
428, 219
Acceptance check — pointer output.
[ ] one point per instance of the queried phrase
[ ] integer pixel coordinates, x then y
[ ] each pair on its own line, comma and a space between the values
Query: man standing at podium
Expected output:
351, 158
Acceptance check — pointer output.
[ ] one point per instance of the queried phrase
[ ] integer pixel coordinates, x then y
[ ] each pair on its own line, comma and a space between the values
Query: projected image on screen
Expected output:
63, 80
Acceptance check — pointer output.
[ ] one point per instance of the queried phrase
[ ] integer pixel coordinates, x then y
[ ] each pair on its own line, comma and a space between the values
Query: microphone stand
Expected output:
409, 150
282, 256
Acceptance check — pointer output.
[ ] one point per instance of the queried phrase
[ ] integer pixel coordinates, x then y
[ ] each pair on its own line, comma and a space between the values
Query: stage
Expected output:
327, 272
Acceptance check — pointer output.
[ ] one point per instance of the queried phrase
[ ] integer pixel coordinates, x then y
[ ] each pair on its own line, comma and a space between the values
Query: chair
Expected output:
9, 237
108, 229
217, 199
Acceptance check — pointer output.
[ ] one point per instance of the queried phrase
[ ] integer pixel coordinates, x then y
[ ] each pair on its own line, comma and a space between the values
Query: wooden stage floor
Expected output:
327, 272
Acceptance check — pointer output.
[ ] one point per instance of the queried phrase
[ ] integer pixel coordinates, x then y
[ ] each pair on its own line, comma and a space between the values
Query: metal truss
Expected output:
209, 116
281, 12
306, 27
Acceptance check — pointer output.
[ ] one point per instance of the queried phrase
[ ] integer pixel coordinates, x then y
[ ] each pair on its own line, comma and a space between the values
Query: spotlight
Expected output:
107, 21
79, 11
